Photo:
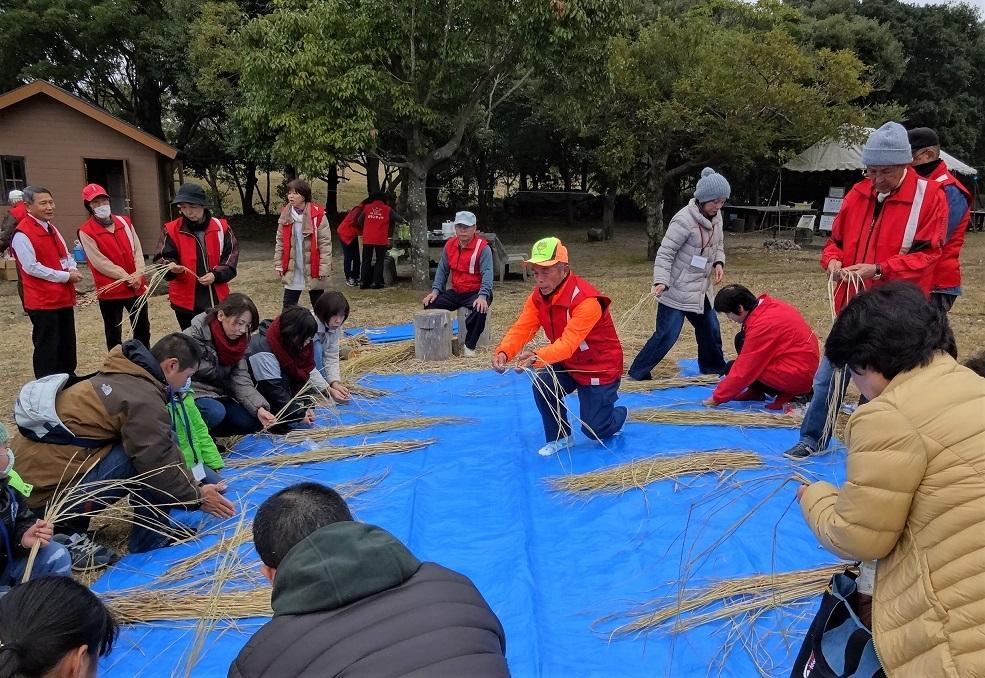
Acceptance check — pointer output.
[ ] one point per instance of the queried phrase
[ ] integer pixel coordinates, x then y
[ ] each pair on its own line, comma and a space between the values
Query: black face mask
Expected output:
927, 168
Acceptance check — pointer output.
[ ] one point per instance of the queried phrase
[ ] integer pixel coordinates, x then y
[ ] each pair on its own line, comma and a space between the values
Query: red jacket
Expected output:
780, 350
347, 227
376, 223
287, 236
181, 290
49, 250
947, 275
905, 238
463, 262
599, 359
118, 248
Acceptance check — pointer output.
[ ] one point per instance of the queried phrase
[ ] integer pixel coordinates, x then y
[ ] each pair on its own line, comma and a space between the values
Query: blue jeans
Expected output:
117, 465
812, 428
600, 419
52, 560
226, 417
670, 321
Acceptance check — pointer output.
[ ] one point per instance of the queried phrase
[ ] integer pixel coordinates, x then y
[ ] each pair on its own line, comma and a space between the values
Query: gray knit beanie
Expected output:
711, 186
889, 145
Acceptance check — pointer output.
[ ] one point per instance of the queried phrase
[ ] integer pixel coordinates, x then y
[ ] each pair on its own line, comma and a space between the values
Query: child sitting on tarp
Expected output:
20, 529
196, 444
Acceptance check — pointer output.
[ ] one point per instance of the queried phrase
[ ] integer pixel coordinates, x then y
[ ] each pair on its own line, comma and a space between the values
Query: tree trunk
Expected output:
655, 202
372, 175
523, 181
266, 202
484, 186
332, 196
431, 191
402, 198
290, 173
417, 215
609, 211
584, 176
212, 179
250, 174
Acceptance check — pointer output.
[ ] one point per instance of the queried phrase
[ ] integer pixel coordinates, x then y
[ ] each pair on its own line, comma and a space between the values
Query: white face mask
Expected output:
102, 212
7, 459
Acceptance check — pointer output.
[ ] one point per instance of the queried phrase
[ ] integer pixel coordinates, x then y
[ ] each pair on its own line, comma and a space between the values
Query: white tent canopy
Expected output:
833, 155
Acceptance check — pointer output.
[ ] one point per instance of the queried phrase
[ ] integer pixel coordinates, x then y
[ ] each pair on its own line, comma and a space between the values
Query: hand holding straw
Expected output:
37, 535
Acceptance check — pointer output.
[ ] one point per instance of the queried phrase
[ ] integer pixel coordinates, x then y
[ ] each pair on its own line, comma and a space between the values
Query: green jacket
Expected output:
193, 435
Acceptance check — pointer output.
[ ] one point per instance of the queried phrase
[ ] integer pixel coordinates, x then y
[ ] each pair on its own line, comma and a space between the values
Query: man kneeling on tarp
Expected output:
777, 352
113, 426
351, 600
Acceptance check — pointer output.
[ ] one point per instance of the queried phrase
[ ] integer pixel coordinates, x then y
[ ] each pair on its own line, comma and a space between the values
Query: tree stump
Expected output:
483, 338
596, 235
432, 335
803, 236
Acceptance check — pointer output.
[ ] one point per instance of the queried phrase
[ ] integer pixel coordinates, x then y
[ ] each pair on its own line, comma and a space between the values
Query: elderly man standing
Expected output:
16, 211
584, 351
469, 260
49, 274
926, 148
890, 227
691, 256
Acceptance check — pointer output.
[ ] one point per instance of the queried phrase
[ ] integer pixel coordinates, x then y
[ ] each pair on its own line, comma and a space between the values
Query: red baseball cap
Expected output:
93, 191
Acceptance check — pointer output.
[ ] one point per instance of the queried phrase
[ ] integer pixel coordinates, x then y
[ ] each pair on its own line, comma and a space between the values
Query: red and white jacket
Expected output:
120, 247
181, 289
463, 264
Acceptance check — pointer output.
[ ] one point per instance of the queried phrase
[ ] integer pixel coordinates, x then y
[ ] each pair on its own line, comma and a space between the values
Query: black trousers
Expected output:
475, 322
184, 317
350, 260
291, 297
943, 301
53, 335
372, 271
112, 312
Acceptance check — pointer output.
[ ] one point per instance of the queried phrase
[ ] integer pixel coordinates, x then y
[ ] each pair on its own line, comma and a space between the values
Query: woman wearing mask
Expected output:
330, 311
281, 360
224, 393
303, 249
203, 254
116, 259
53, 627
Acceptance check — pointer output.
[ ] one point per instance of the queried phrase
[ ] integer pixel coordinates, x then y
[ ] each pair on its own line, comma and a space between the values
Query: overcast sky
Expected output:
980, 4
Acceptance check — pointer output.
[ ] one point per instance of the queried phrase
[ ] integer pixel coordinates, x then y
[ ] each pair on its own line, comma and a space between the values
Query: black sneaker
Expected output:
800, 451
86, 554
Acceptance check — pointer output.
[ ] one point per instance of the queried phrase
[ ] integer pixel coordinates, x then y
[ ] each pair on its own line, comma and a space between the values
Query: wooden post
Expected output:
432, 335
483, 338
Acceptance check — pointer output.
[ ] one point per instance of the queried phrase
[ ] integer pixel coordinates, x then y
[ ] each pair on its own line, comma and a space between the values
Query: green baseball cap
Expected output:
547, 252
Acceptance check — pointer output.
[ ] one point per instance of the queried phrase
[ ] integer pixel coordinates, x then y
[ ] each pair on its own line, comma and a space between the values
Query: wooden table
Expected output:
764, 212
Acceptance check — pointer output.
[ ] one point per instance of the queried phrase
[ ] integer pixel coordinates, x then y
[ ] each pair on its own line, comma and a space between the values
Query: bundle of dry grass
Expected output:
169, 604
376, 358
641, 472
324, 454
366, 428
737, 597
714, 417
629, 386
361, 391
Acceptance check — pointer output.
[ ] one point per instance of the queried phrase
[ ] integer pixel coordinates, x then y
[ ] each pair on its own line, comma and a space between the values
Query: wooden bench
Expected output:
502, 260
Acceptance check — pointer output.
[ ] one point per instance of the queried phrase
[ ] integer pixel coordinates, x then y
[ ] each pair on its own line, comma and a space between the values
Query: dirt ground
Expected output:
618, 268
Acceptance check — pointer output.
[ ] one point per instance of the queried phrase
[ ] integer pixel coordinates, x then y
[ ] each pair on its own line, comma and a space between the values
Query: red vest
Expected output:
376, 224
347, 228
49, 250
466, 276
948, 271
181, 290
118, 248
287, 235
599, 358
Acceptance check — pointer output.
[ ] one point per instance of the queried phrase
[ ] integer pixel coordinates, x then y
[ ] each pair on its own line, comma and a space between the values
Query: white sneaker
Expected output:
468, 352
556, 446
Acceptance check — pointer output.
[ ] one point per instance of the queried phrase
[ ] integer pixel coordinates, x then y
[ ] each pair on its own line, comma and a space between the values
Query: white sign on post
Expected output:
826, 222
832, 205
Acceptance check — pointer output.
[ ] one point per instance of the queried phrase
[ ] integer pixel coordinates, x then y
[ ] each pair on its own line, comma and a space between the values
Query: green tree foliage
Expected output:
726, 82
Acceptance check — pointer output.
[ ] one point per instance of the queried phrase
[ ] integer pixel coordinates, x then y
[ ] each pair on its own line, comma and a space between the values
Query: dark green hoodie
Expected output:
339, 564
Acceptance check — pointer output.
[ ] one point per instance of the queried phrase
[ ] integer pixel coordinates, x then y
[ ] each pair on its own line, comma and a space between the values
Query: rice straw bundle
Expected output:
839, 377
714, 417
355, 340
169, 604
360, 391
377, 359
737, 597
641, 472
324, 454
150, 272
670, 382
155, 274
367, 428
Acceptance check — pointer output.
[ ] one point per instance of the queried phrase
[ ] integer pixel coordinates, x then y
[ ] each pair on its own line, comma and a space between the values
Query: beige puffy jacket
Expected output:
313, 281
689, 233
914, 499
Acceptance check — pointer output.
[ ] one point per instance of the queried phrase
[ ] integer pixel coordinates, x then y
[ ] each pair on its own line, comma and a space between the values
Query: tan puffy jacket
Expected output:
914, 499
313, 281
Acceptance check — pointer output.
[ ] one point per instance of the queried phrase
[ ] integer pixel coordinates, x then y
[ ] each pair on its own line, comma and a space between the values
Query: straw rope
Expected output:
326, 454
714, 418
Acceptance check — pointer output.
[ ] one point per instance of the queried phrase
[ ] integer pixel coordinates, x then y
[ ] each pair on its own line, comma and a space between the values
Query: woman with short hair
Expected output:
303, 247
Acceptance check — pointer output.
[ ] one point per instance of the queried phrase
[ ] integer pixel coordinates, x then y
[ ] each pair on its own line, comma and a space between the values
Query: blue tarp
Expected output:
550, 565
384, 335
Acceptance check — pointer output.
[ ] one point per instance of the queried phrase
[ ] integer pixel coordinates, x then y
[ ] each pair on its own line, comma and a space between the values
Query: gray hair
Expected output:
31, 191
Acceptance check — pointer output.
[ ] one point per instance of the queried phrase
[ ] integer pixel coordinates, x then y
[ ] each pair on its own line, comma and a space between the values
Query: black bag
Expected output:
838, 645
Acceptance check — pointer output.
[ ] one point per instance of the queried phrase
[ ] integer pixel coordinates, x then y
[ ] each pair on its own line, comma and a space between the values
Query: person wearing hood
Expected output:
203, 254
350, 600
281, 360
20, 529
116, 260
690, 261
303, 247
927, 162
118, 418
